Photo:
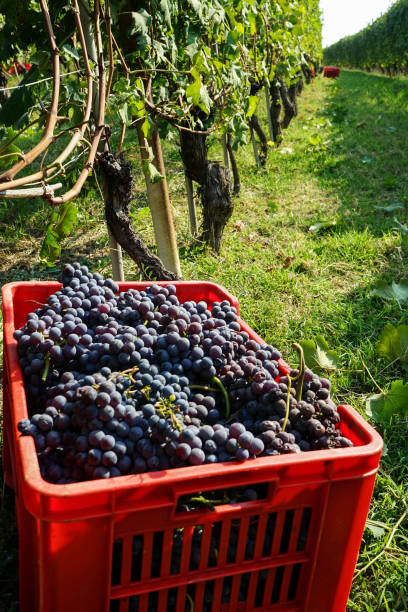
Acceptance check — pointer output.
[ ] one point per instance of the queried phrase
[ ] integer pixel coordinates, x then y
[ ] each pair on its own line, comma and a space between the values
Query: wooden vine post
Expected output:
225, 151
268, 112
255, 147
159, 201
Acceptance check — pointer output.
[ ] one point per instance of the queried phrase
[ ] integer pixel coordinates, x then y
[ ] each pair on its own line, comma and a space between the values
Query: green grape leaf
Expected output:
395, 291
192, 49
140, 22
147, 127
318, 355
66, 220
63, 220
193, 91
70, 51
205, 100
251, 104
51, 248
123, 113
393, 343
154, 174
164, 5
7, 134
382, 406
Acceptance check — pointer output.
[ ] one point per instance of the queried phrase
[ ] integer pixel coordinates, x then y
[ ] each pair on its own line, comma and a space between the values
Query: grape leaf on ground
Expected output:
402, 226
382, 406
393, 343
318, 355
323, 225
375, 529
395, 291
391, 207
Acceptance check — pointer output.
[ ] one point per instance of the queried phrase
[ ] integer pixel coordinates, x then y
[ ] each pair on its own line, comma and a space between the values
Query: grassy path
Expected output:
344, 156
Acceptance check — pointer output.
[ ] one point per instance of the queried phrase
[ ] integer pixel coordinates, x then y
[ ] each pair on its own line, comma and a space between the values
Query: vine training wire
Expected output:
23, 85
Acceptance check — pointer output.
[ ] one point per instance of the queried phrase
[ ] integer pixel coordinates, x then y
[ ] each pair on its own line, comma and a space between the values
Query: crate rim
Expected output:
371, 441
6, 289
35, 481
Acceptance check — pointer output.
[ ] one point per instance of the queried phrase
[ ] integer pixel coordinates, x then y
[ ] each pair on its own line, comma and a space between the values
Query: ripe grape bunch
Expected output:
133, 381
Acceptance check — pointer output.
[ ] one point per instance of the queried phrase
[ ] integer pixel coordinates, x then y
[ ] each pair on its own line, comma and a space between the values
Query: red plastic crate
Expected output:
108, 544
331, 72
19, 67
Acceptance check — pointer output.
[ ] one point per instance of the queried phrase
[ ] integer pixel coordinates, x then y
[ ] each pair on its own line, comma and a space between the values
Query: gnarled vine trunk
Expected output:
256, 86
215, 186
119, 184
256, 126
307, 73
287, 105
293, 91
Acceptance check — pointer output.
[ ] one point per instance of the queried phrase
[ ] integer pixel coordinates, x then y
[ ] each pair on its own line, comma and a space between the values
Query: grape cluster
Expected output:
133, 381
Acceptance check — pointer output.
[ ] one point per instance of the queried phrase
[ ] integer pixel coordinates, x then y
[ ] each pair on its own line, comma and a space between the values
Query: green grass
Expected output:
345, 154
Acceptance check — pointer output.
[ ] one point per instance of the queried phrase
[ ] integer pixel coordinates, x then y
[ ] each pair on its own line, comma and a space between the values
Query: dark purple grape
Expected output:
236, 429
197, 456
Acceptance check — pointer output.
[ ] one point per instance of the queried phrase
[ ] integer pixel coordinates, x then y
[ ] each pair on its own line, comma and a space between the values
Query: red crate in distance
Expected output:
331, 72
124, 545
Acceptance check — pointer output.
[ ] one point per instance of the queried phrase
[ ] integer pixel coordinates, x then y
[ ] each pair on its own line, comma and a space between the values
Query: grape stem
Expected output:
191, 602
219, 384
287, 403
300, 378
301, 375
47, 367
204, 388
369, 373
204, 502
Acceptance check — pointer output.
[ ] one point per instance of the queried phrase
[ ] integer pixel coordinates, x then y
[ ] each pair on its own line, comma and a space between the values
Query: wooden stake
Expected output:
255, 148
159, 201
268, 111
116, 258
225, 151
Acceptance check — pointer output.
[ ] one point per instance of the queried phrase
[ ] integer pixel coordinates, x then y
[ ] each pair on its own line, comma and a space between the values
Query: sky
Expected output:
345, 17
